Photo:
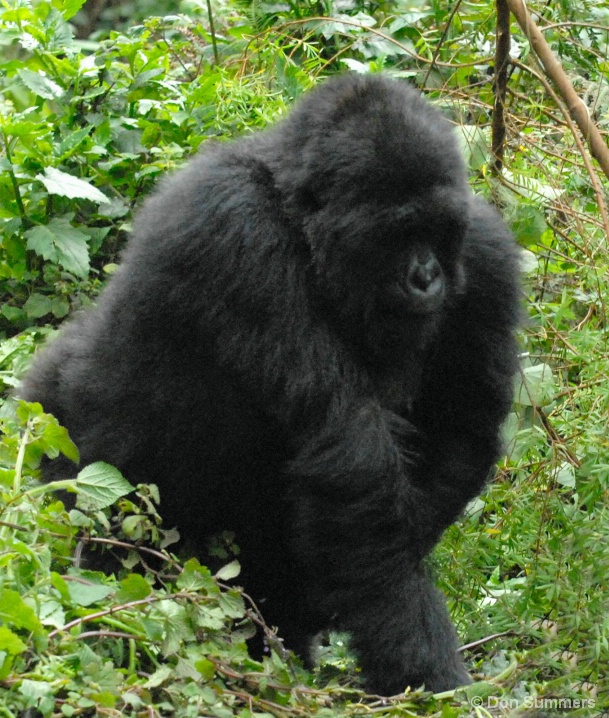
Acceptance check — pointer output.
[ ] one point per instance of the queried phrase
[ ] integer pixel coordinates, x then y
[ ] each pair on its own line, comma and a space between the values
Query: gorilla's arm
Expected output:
427, 466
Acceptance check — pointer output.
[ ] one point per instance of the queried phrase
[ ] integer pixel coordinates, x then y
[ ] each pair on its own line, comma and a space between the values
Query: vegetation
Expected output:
87, 127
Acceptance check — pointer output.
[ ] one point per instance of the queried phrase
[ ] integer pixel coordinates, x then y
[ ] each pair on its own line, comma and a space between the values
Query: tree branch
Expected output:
553, 68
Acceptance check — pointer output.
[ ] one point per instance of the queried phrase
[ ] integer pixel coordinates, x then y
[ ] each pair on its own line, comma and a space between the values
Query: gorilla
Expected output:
310, 342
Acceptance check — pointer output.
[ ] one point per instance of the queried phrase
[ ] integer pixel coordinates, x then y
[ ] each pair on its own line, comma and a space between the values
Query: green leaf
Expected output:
36, 691
135, 526
10, 642
565, 476
206, 668
231, 603
53, 437
68, 8
100, 485
133, 588
231, 570
15, 612
38, 305
195, 577
84, 594
71, 141
61, 243
66, 185
52, 613
537, 386
528, 224
40, 85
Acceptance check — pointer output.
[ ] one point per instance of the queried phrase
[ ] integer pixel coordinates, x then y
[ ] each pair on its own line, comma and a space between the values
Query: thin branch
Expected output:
212, 31
441, 42
482, 641
502, 59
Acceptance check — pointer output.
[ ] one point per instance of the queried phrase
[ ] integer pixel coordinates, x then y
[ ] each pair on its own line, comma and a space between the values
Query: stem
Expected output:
51, 487
20, 458
11, 173
212, 30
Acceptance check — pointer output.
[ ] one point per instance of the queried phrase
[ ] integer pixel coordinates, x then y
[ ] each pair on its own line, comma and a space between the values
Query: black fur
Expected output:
310, 341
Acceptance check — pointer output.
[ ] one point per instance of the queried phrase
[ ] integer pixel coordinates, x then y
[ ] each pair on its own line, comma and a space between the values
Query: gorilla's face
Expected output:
423, 263
405, 257
380, 190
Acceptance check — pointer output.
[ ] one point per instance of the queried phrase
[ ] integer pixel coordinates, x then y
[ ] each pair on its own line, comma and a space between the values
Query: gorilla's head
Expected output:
377, 183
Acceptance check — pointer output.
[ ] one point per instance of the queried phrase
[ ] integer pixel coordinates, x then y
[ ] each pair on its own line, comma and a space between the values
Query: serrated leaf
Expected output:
100, 485
66, 185
195, 577
69, 8
54, 438
73, 140
10, 642
23, 128
62, 244
37, 305
231, 603
40, 85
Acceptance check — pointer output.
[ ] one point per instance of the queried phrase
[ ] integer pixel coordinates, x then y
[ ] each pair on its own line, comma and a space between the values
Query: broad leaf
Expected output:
61, 243
66, 185
100, 485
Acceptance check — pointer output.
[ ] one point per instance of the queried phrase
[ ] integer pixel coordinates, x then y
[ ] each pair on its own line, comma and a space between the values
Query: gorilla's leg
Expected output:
360, 529
406, 638
279, 589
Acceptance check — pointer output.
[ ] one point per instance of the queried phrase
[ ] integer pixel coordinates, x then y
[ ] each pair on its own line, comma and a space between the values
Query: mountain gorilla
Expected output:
310, 341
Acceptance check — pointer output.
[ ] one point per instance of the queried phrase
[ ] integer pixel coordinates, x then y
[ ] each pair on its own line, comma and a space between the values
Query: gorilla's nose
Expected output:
425, 278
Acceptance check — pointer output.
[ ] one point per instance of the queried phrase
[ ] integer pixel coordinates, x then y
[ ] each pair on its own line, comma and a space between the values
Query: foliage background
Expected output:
95, 104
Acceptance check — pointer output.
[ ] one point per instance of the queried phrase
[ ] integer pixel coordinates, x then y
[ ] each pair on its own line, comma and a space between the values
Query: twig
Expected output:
482, 641
121, 607
441, 41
